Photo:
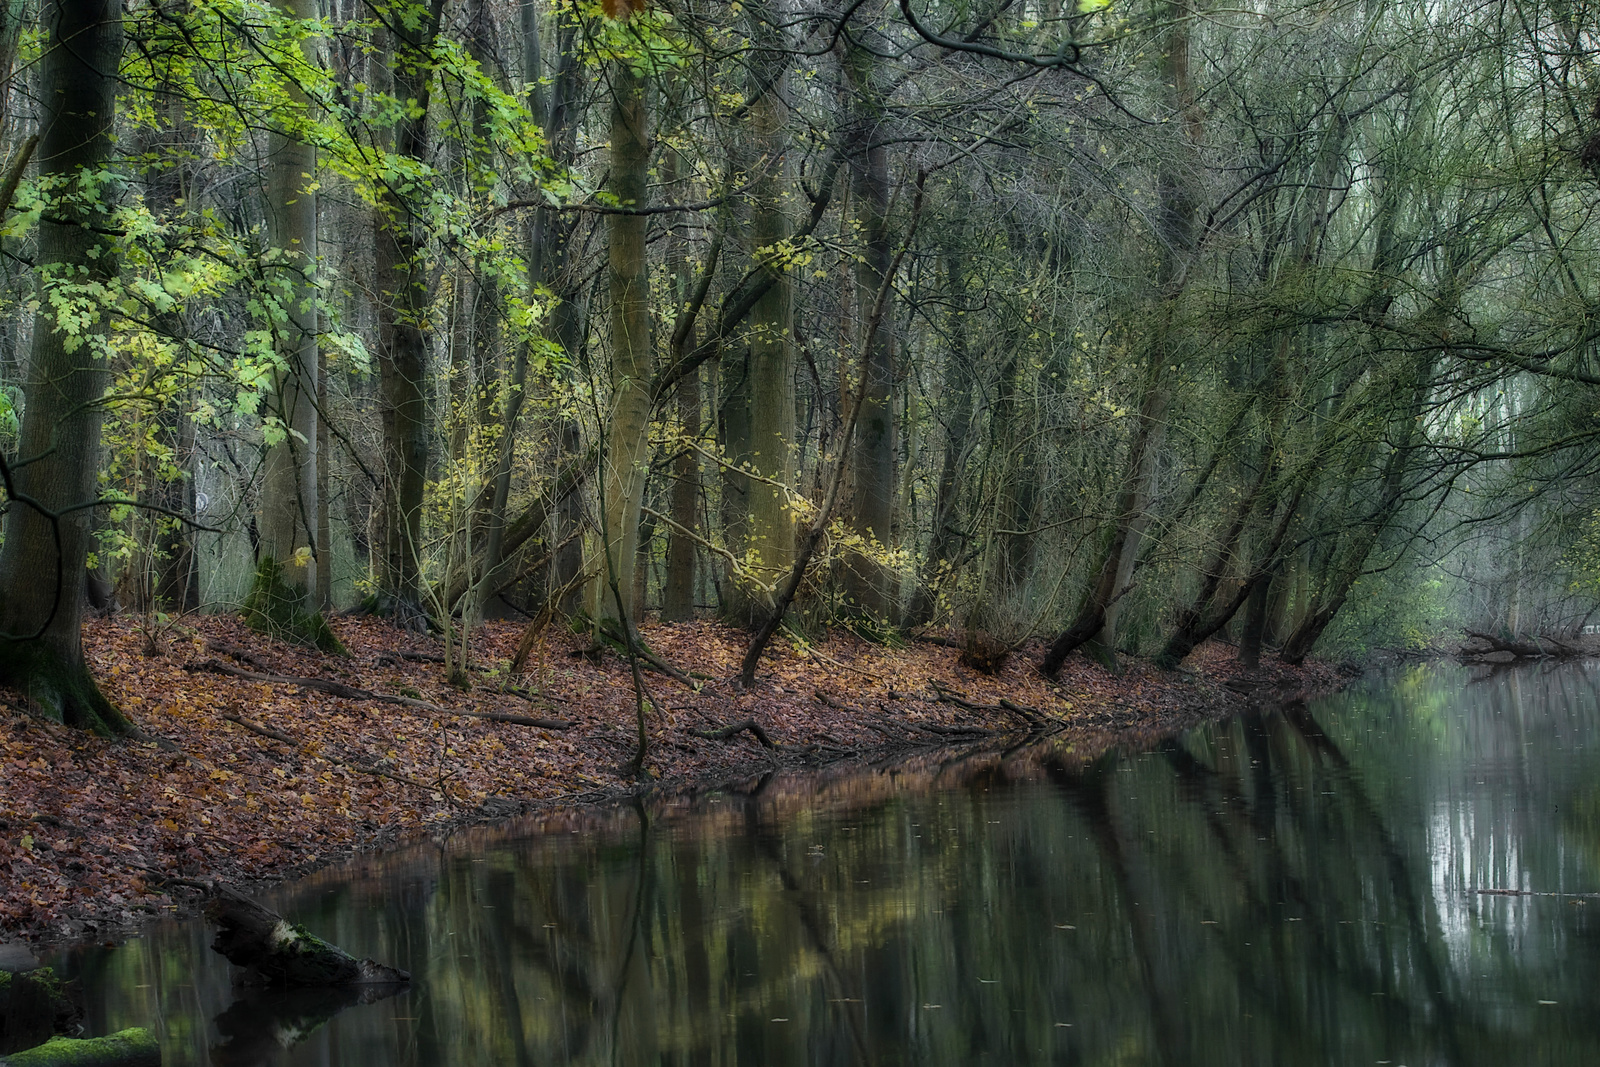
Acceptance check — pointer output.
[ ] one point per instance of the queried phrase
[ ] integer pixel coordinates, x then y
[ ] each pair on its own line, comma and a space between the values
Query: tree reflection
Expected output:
1290, 887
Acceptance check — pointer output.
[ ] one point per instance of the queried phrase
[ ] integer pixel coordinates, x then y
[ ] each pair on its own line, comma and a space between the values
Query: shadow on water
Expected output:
263, 1023
1295, 886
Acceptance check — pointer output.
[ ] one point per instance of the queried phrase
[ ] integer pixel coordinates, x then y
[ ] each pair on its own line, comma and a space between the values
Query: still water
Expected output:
1295, 887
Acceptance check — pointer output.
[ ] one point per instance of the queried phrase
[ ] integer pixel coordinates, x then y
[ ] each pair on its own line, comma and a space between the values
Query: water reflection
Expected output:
1294, 887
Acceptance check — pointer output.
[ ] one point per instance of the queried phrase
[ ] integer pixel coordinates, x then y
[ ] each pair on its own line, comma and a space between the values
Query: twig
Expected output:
287, 739
350, 692
264, 731
837, 705
954, 731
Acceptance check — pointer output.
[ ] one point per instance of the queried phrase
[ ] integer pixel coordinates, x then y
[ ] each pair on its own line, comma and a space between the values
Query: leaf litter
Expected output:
244, 780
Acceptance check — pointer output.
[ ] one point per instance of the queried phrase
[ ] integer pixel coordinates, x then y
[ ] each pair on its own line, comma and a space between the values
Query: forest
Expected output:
915, 466
1122, 325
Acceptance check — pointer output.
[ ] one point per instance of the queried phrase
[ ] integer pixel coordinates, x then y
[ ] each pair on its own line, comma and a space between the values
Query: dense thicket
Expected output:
1124, 324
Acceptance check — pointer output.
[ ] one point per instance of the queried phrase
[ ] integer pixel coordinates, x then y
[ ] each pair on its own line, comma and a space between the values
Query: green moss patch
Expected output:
275, 607
135, 1047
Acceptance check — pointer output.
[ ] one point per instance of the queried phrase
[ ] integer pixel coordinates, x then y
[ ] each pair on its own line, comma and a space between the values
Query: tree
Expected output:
50, 483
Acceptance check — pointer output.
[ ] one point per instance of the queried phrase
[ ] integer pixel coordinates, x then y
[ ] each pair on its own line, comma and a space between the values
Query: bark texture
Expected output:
46, 544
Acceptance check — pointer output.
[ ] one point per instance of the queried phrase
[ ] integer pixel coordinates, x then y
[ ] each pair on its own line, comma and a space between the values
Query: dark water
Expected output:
1292, 888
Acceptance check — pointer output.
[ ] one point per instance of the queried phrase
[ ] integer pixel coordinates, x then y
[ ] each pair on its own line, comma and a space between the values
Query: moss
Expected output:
135, 1047
60, 687
275, 607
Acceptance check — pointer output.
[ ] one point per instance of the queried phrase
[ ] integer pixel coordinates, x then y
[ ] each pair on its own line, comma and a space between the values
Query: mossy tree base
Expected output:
405, 613
60, 687
277, 608
34, 1007
135, 1047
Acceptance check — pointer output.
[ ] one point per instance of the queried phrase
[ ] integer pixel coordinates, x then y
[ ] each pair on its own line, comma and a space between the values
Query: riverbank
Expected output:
267, 760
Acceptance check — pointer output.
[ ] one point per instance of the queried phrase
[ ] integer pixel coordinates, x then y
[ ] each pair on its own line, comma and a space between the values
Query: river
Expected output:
1302, 886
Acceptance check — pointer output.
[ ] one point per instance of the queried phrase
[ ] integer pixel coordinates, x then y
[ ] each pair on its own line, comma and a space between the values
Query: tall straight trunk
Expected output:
1253, 634
677, 594
324, 504
625, 460
403, 305
1019, 486
771, 545
678, 597
1175, 235
169, 576
958, 393
733, 425
177, 578
46, 546
549, 238
872, 463
287, 510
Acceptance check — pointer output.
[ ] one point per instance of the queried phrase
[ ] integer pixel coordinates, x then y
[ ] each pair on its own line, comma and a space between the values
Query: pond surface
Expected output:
1297, 887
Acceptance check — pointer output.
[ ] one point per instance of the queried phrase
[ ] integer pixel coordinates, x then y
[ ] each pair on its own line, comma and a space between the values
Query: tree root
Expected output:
287, 739
1033, 716
350, 692
650, 658
726, 732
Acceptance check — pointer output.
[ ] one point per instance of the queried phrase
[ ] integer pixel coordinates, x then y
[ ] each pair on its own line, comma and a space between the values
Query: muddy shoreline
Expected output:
99, 839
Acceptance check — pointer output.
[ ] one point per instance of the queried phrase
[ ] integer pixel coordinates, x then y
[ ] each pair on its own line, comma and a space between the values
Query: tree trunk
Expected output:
958, 393
1175, 234
771, 545
403, 305
550, 271
46, 546
733, 423
1255, 621
624, 465
677, 595
872, 506
287, 510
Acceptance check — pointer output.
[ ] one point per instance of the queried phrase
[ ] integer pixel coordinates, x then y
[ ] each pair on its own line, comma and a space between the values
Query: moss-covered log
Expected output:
135, 1047
277, 952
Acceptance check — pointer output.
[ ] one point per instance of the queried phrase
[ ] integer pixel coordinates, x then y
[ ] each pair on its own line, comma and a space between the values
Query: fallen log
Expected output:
1539, 647
725, 732
276, 952
134, 1047
350, 692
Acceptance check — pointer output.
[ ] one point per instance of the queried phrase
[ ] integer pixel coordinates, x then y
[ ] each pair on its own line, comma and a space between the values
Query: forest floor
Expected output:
244, 779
